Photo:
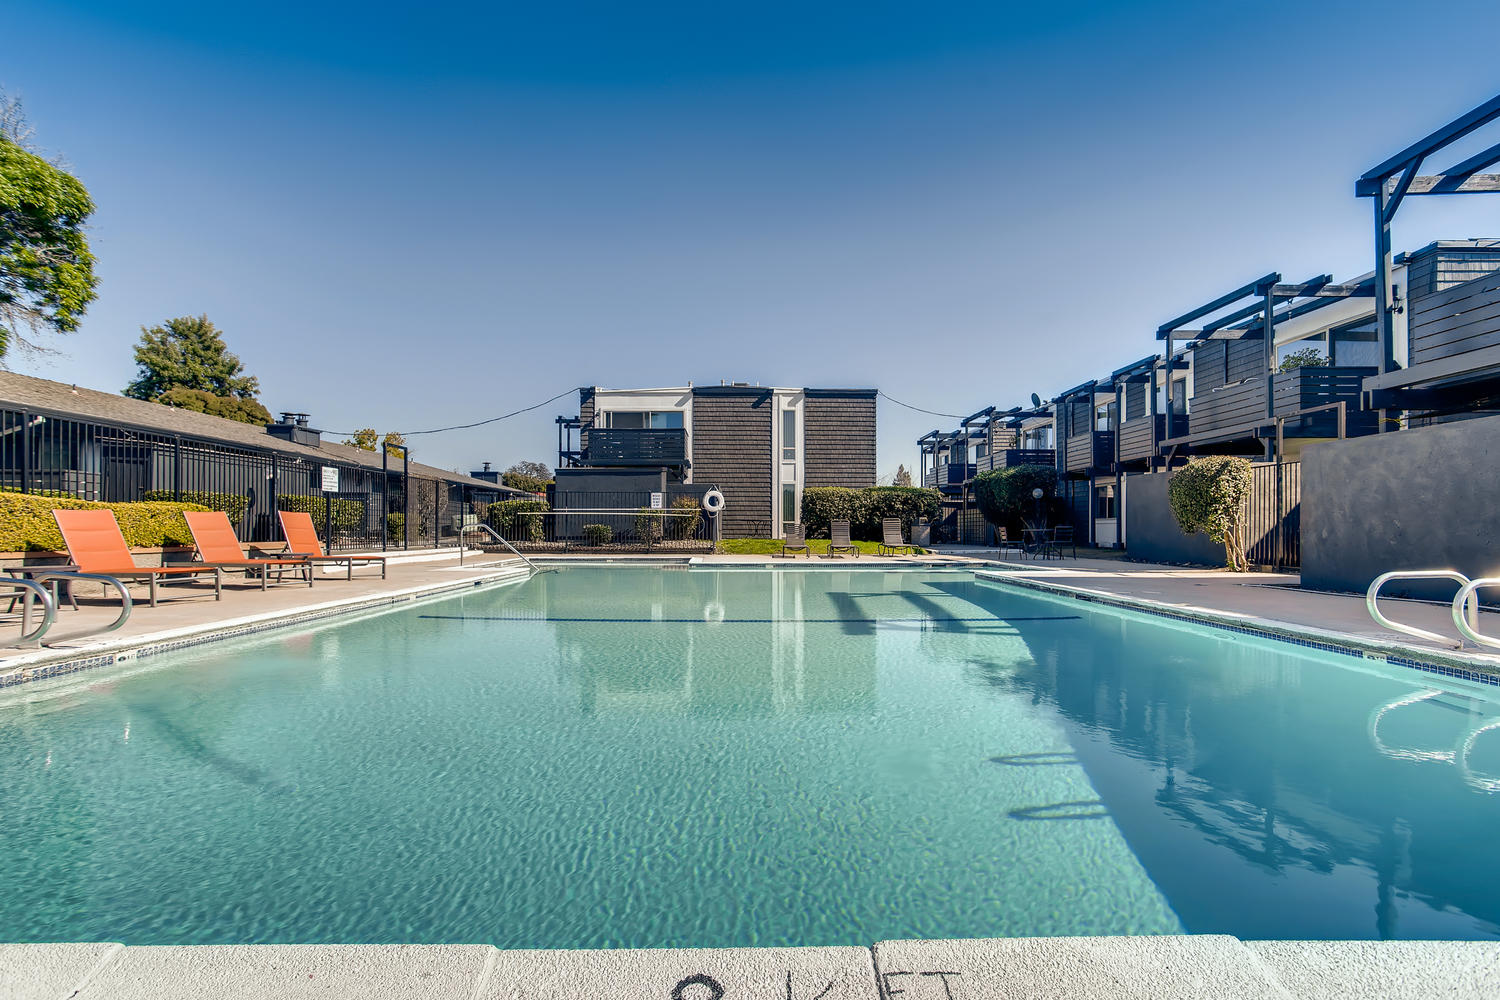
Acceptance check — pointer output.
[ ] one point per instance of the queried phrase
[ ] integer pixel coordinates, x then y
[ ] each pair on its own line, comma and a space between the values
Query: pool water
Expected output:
647, 757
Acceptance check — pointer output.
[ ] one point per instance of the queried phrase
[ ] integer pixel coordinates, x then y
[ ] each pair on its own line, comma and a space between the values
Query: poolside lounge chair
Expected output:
302, 541
891, 541
795, 541
838, 539
215, 540
96, 545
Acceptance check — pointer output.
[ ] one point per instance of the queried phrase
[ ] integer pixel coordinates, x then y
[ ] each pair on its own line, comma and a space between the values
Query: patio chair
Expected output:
891, 541
1062, 538
302, 541
795, 541
838, 539
1003, 542
215, 540
96, 545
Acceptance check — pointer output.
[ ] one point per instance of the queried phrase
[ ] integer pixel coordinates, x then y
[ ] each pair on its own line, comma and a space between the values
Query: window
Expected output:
642, 419
1104, 502
1179, 395
980, 451
788, 504
788, 435
1104, 416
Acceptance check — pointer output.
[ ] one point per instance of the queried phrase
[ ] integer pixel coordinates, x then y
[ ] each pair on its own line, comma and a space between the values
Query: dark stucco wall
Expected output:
1151, 532
1427, 498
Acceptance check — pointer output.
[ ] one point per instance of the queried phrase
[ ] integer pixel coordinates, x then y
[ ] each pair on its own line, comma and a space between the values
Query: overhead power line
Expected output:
477, 423
934, 413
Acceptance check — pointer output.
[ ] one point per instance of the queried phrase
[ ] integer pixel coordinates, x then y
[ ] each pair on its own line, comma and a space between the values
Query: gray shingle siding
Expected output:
732, 450
839, 438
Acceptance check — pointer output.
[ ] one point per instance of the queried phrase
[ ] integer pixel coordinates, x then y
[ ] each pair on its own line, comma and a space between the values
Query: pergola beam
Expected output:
1229, 298
1371, 182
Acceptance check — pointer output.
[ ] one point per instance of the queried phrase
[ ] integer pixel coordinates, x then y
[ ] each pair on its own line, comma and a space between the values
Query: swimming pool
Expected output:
661, 757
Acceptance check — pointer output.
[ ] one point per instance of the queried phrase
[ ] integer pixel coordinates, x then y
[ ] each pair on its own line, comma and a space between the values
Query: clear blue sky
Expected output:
410, 215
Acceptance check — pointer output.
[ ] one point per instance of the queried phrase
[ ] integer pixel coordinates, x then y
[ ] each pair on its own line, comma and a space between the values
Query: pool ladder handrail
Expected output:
481, 526
30, 588
1465, 602
1468, 596
70, 576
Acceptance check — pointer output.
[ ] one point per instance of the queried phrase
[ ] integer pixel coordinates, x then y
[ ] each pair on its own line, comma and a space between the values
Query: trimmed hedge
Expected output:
866, 508
1004, 495
233, 504
26, 522
348, 515
516, 520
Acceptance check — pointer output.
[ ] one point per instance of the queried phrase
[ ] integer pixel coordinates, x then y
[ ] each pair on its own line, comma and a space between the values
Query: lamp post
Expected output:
1036, 495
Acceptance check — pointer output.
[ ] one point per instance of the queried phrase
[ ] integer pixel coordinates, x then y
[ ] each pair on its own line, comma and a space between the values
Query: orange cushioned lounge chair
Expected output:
302, 540
96, 545
217, 545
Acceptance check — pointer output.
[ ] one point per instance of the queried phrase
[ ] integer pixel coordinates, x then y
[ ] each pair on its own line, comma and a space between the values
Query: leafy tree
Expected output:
536, 470
365, 439
246, 411
394, 444
1307, 357
189, 353
1004, 495
525, 483
1208, 495
46, 268
903, 476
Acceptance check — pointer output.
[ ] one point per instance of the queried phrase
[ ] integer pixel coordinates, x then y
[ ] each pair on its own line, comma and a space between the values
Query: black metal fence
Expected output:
612, 521
1273, 515
89, 460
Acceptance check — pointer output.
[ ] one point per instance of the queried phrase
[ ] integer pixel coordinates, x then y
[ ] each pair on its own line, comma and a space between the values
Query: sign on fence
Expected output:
330, 479
656, 501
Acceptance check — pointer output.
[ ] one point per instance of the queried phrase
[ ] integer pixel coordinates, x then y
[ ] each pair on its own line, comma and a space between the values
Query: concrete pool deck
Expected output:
1183, 967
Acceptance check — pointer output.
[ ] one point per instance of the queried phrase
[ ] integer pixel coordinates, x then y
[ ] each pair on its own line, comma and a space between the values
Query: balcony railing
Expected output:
1138, 437
1004, 458
634, 446
1243, 406
1086, 452
951, 474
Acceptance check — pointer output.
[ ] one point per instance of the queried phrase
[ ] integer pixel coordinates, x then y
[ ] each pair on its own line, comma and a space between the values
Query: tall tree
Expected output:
536, 470
394, 444
46, 268
188, 353
365, 439
903, 477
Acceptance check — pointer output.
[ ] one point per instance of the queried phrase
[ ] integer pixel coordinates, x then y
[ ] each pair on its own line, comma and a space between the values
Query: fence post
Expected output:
25, 438
177, 467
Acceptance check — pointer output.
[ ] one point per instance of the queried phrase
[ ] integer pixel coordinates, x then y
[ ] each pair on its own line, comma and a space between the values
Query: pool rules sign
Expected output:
330, 479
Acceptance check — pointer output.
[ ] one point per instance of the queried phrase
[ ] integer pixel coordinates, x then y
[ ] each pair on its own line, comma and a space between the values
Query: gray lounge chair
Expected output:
795, 540
838, 539
1062, 538
891, 542
1003, 543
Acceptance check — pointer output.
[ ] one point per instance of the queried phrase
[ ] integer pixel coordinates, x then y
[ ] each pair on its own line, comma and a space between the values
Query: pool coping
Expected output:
1479, 668
1161, 967
44, 664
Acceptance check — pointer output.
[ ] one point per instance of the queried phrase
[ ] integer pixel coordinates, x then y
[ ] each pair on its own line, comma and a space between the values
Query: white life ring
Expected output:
713, 501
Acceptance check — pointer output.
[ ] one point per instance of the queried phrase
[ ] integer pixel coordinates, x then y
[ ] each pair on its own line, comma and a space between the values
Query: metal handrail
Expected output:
1469, 596
481, 526
49, 609
64, 576
1372, 602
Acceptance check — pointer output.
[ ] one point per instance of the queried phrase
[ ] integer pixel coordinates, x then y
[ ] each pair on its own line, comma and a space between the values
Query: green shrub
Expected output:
232, 504
518, 520
648, 526
26, 522
686, 524
866, 508
1004, 495
348, 515
395, 527
1208, 495
598, 534
40, 493
1307, 357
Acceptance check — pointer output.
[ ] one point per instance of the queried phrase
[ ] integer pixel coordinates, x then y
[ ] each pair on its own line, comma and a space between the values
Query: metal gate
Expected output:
1273, 515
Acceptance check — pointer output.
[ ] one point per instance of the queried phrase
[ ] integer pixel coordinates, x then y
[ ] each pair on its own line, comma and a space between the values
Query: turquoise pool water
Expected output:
645, 757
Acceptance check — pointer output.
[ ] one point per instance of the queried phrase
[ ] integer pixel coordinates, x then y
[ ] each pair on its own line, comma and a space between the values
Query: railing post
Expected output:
177, 468
25, 439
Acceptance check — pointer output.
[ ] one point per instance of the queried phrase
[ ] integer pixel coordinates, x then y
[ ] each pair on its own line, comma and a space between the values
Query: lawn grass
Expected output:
772, 547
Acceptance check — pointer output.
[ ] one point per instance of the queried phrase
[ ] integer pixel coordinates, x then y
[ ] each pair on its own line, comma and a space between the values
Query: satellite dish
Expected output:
1036, 400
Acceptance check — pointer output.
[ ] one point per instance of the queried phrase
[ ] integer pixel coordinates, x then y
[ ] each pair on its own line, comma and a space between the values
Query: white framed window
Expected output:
643, 419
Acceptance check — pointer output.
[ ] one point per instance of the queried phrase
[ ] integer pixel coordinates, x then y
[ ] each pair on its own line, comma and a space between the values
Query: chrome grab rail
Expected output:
49, 609
64, 576
481, 526
1372, 602
1469, 596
